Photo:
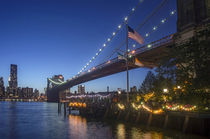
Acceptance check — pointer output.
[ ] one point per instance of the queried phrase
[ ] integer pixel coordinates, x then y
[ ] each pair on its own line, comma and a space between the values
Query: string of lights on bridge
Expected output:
108, 40
149, 33
134, 45
162, 21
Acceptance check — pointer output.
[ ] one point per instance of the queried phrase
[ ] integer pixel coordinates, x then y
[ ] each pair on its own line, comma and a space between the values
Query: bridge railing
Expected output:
142, 49
155, 44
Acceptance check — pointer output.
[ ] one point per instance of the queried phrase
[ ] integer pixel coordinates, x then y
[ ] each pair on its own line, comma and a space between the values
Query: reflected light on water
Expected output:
121, 131
153, 135
136, 133
78, 126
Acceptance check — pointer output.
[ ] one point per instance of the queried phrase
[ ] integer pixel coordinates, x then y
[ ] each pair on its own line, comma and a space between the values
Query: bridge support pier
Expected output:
127, 115
149, 120
69, 110
138, 116
64, 108
118, 116
186, 120
59, 107
165, 121
107, 112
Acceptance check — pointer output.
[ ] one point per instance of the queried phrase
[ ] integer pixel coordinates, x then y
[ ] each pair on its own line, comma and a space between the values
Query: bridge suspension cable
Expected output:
162, 21
154, 12
113, 35
148, 46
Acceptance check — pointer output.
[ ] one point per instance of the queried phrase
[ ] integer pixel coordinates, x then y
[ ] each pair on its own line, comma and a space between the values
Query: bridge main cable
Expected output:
154, 12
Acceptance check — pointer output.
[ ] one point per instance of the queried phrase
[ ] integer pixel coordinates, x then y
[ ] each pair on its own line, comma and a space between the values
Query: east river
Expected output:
34, 120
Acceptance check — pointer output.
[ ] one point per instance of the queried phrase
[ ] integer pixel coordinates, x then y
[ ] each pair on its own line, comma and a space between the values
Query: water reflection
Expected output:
121, 131
77, 126
41, 121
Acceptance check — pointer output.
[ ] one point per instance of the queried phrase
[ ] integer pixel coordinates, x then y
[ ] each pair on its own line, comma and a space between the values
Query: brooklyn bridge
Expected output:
148, 55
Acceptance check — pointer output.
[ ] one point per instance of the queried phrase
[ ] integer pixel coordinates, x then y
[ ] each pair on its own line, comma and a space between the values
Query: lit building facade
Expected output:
27, 92
2, 88
133, 89
13, 84
81, 89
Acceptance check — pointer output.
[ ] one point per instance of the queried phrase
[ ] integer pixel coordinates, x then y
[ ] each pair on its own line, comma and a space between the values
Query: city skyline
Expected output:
45, 40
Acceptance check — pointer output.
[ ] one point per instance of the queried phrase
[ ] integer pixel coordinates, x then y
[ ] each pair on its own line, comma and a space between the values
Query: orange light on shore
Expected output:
77, 104
108, 62
84, 105
133, 52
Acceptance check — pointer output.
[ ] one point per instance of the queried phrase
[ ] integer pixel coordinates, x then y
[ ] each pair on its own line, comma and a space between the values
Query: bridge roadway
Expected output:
149, 56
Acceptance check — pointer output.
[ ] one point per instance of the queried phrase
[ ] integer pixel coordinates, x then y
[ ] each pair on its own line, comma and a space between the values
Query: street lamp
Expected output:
165, 90
119, 92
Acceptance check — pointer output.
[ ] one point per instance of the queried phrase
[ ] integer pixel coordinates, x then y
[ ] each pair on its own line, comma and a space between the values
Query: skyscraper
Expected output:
2, 88
13, 84
81, 89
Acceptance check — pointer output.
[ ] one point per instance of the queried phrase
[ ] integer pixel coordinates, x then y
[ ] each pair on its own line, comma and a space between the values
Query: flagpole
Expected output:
127, 62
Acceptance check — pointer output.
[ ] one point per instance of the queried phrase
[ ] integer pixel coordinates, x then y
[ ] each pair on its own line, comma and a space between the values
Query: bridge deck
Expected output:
149, 56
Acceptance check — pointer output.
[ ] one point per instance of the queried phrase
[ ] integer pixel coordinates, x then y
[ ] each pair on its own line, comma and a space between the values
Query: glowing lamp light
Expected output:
113, 33
96, 53
100, 50
147, 35
93, 57
134, 45
84, 66
130, 56
104, 45
108, 39
154, 28
133, 9
128, 50
87, 63
88, 70
172, 12
163, 21
121, 106
109, 62
133, 51
90, 61
126, 18
119, 26
149, 45
165, 90
119, 92
179, 87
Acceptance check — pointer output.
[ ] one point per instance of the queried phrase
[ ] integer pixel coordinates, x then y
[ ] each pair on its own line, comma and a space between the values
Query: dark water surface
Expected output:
32, 120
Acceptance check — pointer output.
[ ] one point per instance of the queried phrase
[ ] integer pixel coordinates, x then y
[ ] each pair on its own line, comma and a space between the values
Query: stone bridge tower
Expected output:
192, 15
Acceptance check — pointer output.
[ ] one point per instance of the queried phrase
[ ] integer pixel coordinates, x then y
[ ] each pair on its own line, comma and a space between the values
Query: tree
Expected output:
188, 63
148, 84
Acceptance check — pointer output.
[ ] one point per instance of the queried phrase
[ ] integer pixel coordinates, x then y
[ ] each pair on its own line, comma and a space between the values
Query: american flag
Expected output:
135, 35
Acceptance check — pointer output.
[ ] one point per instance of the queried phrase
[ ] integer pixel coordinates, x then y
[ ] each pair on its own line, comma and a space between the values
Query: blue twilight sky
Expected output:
48, 37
